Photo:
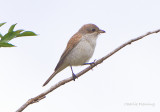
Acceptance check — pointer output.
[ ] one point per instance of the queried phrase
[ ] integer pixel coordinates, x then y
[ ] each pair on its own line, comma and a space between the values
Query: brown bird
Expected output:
79, 50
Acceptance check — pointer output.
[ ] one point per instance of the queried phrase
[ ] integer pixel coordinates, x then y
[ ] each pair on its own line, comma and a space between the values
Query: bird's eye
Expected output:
93, 30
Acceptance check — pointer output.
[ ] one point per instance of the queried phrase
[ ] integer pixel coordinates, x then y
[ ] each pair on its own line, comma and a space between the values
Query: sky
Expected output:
126, 82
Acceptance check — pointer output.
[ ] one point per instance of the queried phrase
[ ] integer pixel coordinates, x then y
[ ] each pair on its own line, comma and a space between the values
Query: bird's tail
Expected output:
48, 80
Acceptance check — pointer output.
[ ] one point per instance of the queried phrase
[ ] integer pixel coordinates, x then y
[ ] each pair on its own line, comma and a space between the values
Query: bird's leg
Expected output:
91, 64
73, 75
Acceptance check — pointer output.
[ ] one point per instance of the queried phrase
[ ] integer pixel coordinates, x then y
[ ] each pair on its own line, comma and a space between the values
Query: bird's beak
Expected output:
101, 31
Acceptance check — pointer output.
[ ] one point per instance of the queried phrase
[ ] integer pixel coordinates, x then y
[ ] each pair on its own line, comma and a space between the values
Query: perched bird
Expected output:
79, 50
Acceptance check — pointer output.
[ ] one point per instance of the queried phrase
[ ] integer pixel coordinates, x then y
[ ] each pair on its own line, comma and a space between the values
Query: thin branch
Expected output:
43, 95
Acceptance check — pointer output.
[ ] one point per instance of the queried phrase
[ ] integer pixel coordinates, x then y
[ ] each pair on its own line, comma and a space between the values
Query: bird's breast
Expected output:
82, 52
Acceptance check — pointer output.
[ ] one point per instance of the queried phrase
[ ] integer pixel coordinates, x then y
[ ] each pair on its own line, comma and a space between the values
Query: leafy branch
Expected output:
11, 34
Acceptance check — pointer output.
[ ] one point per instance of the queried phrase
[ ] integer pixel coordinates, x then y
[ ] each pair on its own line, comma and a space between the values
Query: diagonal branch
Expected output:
52, 88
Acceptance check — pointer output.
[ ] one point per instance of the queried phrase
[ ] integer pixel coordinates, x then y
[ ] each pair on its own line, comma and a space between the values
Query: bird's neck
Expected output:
91, 39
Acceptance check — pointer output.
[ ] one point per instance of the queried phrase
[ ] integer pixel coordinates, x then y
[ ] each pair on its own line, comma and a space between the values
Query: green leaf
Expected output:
19, 31
9, 36
11, 28
4, 39
6, 45
1, 24
27, 33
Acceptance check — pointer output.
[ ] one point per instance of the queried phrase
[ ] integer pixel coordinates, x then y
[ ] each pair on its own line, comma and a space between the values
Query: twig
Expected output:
43, 95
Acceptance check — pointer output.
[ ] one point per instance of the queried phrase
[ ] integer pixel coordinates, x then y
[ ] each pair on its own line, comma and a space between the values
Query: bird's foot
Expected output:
74, 76
91, 64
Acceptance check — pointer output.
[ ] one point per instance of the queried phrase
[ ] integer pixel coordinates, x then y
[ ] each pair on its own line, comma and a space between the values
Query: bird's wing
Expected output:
71, 44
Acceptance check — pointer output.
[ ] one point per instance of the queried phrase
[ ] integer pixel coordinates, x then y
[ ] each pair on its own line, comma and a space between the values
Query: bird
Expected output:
79, 49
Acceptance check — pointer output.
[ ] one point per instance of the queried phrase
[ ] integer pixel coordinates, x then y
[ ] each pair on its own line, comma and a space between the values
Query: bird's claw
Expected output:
91, 64
74, 76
